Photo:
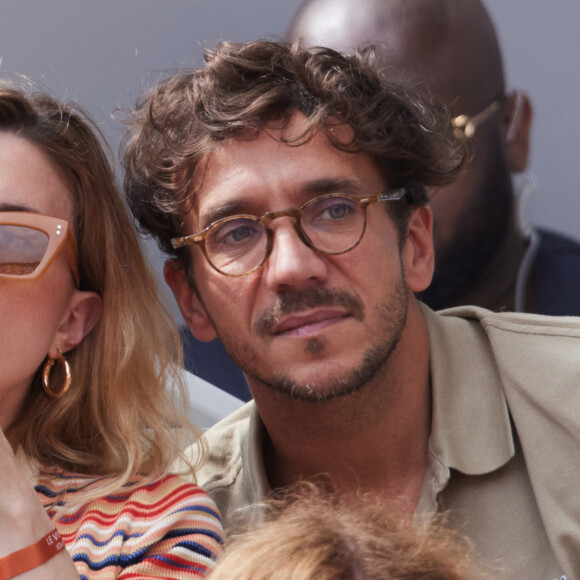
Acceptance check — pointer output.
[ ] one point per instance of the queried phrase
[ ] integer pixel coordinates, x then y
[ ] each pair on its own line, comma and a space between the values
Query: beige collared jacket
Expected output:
504, 446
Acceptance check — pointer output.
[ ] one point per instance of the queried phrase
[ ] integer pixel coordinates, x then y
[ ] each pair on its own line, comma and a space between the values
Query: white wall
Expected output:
100, 53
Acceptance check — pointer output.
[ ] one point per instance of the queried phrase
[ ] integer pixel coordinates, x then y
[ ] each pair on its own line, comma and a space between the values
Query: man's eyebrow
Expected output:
307, 191
331, 185
213, 214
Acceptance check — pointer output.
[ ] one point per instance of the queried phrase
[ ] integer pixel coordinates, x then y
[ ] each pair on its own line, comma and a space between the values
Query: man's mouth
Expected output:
308, 323
308, 311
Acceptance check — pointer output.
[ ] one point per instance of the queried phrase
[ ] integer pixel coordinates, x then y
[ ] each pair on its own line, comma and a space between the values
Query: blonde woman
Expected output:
88, 429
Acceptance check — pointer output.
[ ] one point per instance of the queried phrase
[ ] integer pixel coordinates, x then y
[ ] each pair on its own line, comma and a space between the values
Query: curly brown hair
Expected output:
244, 87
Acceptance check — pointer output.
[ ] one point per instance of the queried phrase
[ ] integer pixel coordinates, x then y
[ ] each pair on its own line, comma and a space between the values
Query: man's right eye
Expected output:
237, 232
240, 234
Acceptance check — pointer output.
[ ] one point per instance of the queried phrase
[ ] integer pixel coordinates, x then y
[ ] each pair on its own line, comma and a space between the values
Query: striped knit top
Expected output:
167, 529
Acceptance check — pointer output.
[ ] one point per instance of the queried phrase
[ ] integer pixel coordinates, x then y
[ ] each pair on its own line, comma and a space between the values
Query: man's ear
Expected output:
190, 305
518, 115
84, 312
418, 255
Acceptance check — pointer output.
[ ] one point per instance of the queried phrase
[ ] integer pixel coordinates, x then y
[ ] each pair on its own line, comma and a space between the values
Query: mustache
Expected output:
294, 302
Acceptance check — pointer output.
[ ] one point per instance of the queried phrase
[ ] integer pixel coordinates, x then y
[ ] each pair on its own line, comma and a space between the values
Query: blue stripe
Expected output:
124, 560
176, 533
196, 548
173, 563
200, 508
121, 533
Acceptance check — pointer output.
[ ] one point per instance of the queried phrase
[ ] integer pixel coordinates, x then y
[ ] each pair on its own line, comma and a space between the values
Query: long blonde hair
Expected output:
119, 417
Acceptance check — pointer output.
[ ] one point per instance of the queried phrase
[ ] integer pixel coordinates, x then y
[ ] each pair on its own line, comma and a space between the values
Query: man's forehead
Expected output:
240, 171
230, 160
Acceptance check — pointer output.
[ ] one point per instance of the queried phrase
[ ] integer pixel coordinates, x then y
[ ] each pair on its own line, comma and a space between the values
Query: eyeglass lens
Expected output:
331, 224
237, 246
21, 249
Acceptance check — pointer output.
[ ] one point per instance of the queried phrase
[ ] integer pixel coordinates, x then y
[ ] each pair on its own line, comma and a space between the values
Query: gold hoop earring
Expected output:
46, 376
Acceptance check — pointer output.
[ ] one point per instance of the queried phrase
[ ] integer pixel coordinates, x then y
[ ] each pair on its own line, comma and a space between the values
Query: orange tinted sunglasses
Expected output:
29, 243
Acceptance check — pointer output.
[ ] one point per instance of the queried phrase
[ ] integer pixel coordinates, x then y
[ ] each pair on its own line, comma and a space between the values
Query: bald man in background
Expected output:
485, 255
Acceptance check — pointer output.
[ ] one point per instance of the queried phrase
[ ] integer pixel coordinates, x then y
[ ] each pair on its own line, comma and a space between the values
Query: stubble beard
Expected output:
391, 317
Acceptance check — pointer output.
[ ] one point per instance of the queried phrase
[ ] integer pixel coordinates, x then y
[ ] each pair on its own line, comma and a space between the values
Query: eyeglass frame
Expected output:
198, 239
464, 126
59, 234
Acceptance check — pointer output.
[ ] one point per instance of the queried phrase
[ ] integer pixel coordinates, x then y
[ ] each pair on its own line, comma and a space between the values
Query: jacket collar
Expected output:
470, 430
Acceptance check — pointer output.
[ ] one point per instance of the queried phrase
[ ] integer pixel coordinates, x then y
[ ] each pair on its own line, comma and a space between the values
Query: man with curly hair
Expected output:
289, 188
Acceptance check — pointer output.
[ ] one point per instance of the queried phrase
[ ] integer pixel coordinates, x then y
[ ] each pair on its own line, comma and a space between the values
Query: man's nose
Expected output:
292, 265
